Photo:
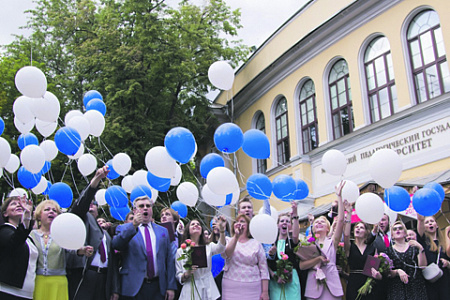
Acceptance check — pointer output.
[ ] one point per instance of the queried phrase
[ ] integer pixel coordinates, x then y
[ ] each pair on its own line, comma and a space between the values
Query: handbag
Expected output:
432, 272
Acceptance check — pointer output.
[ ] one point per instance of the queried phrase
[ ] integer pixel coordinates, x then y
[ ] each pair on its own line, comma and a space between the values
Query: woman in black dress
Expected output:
357, 253
407, 281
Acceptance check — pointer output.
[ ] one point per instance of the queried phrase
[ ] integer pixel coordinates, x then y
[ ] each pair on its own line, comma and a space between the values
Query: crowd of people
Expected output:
145, 258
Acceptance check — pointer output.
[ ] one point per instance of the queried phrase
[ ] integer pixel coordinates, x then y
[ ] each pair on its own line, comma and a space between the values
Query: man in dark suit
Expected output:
96, 278
148, 264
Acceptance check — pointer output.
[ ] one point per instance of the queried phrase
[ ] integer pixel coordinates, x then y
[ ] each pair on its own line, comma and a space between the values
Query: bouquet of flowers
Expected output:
283, 273
341, 259
307, 248
187, 255
385, 267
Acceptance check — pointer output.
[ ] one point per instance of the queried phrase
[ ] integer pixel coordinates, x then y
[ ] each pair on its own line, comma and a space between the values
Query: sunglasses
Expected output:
397, 228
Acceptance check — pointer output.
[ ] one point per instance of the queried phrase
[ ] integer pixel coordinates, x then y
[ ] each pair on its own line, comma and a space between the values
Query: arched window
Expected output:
428, 60
308, 116
382, 93
261, 164
281, 123
341, 99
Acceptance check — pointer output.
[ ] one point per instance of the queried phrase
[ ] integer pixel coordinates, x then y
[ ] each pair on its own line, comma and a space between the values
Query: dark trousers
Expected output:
148, 291
93, 286
4, 296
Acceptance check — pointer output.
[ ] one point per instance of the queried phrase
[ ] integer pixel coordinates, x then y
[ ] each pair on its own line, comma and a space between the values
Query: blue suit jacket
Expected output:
129, 241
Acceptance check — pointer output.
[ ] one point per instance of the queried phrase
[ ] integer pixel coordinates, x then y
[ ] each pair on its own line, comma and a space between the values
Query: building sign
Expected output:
416, 147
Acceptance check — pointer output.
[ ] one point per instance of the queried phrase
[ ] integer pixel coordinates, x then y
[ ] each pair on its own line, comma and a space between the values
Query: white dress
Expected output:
206, 286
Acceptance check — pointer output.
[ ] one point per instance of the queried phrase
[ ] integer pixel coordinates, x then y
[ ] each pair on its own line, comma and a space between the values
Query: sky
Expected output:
260, 18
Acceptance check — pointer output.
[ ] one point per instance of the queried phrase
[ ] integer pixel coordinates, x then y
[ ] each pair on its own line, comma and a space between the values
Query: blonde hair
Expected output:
326, 222
401, 224
40, 207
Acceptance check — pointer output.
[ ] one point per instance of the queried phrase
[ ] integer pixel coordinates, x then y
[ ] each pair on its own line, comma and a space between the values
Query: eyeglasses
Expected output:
397, 228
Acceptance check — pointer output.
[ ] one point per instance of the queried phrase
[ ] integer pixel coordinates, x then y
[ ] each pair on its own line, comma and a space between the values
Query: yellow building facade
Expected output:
355, 76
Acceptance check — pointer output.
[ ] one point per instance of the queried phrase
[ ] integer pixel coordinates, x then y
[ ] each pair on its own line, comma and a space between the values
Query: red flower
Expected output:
183, 246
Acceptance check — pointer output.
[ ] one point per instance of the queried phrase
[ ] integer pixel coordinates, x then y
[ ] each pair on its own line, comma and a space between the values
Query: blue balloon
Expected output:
139, 191
228, 199
49, 185
26, 139
46, 167
89, 95
259, 186
158, 183
112, 173
27, 179
228, 138
116, 196
180, 144
181, 208
119, 213
211, 224
217, 264
2, 125
256, 144
437, 187
67, 140
426, 202
61, 193
397, 198
301, 190
98, 105
283, 186
209, 162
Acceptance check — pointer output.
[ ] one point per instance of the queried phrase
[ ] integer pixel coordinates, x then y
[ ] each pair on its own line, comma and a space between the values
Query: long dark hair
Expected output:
187, 235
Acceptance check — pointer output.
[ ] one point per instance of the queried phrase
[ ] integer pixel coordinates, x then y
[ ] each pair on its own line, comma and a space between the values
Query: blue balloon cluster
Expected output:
180, 208
301, 190
61, 193
284, 187
27, 179
256, 144
397, 198
209, 162
259, 186
116, 196
96, 104
2, 125
228, 138
437, 187
89, 95
67, 140
426, 202
26, 139
119, 213
139, 191
180, 144
158, 183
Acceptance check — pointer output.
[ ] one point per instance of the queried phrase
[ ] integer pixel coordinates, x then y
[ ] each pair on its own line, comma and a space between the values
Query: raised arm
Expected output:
347, 227
420, 225
340, 218
295, 224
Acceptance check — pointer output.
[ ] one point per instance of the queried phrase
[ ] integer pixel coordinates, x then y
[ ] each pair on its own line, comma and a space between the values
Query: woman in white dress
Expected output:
198, 283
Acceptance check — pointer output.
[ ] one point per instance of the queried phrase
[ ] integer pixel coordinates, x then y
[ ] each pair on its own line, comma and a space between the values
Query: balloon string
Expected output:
73, 179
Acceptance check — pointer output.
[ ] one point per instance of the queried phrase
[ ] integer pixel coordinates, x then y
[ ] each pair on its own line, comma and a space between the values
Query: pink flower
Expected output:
192, 244
341, 244
285, 257
311, 240
285, 271
183, 246
281, 253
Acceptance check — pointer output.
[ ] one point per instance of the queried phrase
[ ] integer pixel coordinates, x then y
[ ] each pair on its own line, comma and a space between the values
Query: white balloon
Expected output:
68, 231
369, 208
33, 158
264, 229
177, 177
96, 122
235, 197
385, 167
121, 163
221, 75
18, 192
100, 197
79, 152
160, 163
5, 152
13, 163
212, 198
1, 172
80, 124
128, 184
140, 178
50, 149
392, 214
222, 181
21, 109
187, 193
46, 129
46, 108
41, 187
350, 191
31, 82
71, 114
87, 164
24, 127
154, 195
273, 212
334, 162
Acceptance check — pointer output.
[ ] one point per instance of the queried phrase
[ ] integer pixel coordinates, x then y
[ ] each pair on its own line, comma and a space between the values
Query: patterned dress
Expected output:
415, 288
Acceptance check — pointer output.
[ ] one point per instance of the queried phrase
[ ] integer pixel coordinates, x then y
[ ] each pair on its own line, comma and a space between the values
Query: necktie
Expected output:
148, 246
386, 241
102, 252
